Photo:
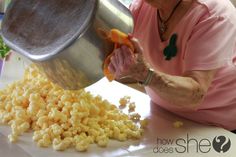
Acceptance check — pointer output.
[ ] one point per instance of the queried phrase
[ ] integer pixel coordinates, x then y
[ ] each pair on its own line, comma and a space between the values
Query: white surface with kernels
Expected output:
56, 114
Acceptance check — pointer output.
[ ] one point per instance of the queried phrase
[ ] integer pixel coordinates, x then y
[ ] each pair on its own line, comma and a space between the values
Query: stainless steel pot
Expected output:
62, 37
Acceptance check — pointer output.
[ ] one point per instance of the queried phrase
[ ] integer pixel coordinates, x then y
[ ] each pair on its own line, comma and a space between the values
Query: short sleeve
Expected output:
135, 7
211, 44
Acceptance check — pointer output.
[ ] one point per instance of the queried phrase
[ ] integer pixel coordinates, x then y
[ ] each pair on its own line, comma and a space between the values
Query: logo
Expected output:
221, 144
188, 144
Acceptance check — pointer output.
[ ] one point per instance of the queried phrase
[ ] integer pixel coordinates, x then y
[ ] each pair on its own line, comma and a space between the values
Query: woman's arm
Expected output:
187, 90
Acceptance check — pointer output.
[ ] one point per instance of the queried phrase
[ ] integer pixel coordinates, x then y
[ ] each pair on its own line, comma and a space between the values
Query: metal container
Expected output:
62, 37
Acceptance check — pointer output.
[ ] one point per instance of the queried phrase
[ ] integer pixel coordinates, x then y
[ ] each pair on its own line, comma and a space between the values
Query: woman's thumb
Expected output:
137, 46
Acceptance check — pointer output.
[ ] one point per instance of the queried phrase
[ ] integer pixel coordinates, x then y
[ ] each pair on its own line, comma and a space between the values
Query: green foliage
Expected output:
4, 49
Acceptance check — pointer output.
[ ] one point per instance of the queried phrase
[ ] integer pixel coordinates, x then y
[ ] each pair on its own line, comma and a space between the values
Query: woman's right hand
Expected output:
125, 63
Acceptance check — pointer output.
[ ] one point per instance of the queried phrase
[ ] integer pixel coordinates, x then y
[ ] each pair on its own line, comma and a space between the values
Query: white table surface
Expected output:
160, 126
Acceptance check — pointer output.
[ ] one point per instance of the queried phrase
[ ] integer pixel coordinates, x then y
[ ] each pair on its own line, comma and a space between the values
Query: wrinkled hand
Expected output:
124, 63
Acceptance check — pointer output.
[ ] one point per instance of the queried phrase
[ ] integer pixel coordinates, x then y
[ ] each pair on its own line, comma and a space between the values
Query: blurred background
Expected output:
126, 2
234, 2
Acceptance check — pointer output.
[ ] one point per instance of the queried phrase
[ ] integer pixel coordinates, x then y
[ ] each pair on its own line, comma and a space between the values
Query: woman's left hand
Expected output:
124, 63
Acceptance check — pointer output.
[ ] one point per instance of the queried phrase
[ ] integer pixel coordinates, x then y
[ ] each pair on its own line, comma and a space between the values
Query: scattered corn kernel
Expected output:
135, 117
132, 107
124, 101
144, 123
178, 124
13, 138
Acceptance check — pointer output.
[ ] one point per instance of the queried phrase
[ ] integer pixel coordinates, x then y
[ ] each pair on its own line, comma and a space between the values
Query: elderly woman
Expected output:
186, 57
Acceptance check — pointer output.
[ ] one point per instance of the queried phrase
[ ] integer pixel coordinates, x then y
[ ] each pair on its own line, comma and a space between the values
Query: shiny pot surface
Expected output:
62, 37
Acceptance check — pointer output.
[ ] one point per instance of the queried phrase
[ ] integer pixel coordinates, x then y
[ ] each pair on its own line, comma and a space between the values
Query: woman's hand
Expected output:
125, 63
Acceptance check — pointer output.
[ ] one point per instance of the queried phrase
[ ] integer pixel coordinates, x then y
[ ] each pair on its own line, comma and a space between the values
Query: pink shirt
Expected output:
206, 40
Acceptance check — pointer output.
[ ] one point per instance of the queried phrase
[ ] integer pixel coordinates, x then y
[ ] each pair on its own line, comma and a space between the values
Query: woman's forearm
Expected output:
180, 91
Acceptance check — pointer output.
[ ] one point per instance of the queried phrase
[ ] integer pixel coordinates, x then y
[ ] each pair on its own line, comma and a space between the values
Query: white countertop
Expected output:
160, 127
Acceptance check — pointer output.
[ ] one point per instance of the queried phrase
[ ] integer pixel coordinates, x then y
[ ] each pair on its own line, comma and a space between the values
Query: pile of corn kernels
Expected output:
62, 118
